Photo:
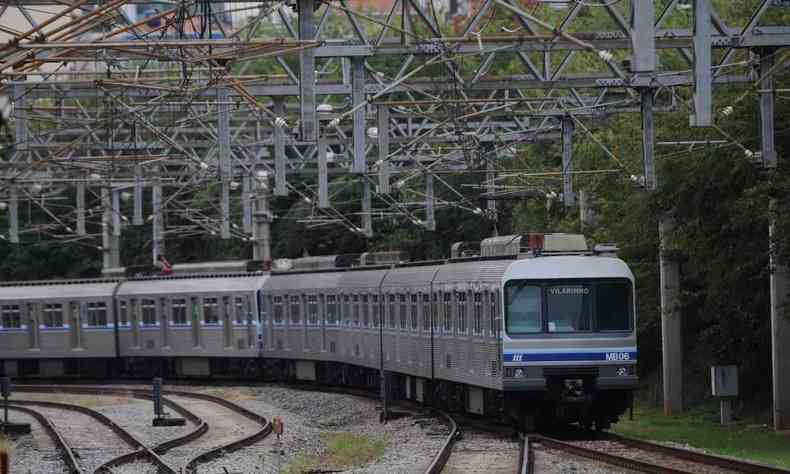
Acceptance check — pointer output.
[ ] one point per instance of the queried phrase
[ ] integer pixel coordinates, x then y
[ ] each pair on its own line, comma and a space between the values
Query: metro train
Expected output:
532, 328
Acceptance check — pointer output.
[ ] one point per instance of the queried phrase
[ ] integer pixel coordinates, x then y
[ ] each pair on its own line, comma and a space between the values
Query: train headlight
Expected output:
519, 372
622, 371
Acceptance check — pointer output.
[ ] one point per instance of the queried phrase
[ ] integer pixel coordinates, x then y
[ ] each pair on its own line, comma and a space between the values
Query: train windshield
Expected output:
533, 307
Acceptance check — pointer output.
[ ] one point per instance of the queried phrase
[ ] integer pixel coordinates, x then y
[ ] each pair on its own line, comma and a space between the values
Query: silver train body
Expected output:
518, 338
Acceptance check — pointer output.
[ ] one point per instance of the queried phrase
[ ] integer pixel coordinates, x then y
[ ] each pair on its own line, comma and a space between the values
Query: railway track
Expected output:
441, 458
639, 456
156, 452
69, 459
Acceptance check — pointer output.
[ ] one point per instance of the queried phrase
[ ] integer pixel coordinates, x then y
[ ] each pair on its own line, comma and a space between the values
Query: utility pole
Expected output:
779, 275
261, 249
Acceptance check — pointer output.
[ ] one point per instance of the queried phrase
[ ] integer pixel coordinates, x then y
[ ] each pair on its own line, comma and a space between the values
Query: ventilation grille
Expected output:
448, 361
494, 369
332, 347
570, 372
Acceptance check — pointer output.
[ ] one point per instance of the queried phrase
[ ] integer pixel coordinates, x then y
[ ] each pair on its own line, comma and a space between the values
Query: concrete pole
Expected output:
779, 275
671, 323
568, 198
81, 208
158, 228
261, 249
13, 213
106, 228
671, 327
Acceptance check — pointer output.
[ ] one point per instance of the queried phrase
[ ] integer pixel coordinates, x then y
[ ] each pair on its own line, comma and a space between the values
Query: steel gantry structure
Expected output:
108, 105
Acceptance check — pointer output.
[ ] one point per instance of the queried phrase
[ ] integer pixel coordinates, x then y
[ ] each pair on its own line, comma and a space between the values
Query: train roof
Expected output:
237, 282
484, 271
568, 267
57, 289
296, 281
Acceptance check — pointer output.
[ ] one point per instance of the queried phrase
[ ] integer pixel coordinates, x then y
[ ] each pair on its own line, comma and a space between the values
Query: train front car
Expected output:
569, 340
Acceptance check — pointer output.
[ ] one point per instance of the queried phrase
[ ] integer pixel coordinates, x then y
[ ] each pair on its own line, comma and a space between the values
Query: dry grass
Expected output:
343, 451
6, 445
231, 393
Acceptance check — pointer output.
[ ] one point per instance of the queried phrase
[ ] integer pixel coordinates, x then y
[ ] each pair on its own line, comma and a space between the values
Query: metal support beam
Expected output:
20, 123
767, 132
307, 114
225, 173
703, 75
648, 138
280, 185
367, 218
430, 201
13, 213
568, 198
81, 208
323, 180
384, 148
261, 249
643, 40
358, 97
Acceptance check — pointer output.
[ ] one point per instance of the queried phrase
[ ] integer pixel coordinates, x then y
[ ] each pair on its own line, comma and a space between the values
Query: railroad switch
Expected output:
162, 418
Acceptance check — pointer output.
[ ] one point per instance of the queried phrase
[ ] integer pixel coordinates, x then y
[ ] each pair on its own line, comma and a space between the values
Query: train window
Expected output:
296, 311
179, 312
365, 311
356, 310
97, 314
346, 310
461, 298
448, 312
277, 309
523, 305
239, 306
149, 312
11, 317
477, 326
53, 315
392, 312
331, 310
403, 319
210, 311
123, 317
312, 310
613, 306
426, 312
414, 302
569, 308
375, 310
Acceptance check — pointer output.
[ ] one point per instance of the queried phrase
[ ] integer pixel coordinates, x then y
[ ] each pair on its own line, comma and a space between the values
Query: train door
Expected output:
260, 312
227, 323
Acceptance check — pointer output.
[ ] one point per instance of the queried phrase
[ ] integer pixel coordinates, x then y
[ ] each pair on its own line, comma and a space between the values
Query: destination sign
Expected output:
569, 291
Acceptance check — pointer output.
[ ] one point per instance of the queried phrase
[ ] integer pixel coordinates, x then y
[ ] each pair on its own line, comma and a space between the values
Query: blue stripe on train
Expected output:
569, 357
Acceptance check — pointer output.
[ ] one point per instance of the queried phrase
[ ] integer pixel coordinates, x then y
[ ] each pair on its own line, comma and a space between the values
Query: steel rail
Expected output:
213, 453
60, 442
141, 451
604, 457
526, 461
698, 457
443, 455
